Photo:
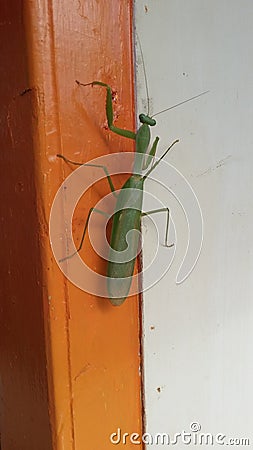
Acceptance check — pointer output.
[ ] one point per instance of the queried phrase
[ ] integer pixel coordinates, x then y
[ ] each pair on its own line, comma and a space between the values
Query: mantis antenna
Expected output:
180, 103
147, 90
144, 72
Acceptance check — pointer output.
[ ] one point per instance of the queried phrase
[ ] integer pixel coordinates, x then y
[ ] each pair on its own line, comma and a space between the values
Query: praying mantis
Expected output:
129, 200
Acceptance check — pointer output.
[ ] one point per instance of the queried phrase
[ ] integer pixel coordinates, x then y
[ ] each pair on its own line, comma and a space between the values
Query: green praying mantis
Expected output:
128, 215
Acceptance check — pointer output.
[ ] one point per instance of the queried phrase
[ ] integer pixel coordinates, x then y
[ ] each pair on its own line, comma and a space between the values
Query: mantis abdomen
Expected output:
125, 239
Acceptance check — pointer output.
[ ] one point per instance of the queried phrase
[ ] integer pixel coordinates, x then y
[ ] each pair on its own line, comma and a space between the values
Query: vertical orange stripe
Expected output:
92, 347
24, 421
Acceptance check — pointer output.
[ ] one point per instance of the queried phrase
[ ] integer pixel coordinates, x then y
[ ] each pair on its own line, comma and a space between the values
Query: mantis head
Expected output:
143, 118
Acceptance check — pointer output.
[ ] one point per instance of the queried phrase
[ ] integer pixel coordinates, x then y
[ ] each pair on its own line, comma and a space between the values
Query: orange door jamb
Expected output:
70, 362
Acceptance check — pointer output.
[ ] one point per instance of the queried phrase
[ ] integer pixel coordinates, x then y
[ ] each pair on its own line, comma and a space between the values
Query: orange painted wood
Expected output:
69, 361
24, 409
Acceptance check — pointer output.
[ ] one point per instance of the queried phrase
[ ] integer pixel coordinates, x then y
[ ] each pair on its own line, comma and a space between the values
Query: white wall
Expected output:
198, 334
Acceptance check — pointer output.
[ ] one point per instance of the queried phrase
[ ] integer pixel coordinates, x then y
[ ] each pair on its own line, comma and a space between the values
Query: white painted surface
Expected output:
198, 335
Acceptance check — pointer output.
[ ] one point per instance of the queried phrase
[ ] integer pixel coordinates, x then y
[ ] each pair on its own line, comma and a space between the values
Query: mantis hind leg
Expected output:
84, 232
148, 213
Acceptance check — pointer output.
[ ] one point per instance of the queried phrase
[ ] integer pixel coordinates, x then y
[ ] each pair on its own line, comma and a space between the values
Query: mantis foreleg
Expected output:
109, 110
